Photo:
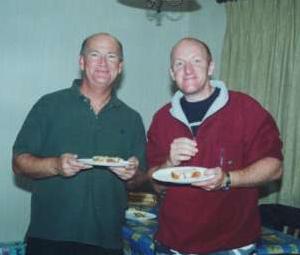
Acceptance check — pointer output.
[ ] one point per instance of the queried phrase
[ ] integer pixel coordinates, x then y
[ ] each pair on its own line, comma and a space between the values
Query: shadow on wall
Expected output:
23, 183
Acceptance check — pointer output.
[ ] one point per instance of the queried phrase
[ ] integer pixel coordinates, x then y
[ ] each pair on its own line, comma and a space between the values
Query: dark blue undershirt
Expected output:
195, 111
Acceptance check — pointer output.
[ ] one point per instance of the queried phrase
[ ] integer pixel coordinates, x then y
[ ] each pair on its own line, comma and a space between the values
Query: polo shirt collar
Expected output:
75, 88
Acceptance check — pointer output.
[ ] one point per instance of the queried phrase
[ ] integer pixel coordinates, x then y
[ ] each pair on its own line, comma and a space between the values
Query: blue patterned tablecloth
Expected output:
138, 238
12, 248
276, 242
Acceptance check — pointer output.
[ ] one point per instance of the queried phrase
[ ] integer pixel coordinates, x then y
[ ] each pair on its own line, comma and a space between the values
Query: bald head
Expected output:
85, 43
191, 40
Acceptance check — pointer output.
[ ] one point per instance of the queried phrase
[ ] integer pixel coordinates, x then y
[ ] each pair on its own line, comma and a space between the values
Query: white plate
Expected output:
134, 214
184, 172
90, 161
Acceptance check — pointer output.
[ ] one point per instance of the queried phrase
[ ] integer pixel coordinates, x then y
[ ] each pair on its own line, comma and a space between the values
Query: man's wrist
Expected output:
56, 166
226, 185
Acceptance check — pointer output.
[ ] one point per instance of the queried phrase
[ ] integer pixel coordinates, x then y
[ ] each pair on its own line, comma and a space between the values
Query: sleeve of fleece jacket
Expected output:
157, 146
262, 137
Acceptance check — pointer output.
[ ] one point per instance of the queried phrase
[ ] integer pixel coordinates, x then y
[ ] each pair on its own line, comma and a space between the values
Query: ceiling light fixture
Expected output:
158, 4
156, 10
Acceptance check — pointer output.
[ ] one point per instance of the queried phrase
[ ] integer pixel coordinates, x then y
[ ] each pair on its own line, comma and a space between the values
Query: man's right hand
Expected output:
181, 149
68, 165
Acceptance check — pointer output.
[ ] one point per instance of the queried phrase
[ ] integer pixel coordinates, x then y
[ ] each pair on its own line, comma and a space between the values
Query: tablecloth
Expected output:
12, 248
138, 237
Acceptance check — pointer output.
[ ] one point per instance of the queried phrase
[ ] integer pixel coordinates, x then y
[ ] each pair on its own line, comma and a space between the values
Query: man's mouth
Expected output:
189, 77
102, 72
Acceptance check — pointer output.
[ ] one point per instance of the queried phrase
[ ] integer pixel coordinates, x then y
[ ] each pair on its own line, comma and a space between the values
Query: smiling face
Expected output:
101, 61
191, 66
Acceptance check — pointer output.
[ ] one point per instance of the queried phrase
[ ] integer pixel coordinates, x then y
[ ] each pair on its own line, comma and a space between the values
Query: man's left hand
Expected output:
127, 172
214, 183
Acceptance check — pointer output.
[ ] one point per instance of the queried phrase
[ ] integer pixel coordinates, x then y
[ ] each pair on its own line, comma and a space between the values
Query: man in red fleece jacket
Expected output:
231, 135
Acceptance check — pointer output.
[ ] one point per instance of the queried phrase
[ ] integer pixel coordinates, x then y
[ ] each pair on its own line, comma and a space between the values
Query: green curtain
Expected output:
261, 56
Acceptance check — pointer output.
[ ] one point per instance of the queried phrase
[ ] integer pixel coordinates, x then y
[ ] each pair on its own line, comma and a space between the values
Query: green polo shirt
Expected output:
89, 207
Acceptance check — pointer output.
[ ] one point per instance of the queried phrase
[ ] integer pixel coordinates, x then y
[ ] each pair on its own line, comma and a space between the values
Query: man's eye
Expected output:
94, 55
178, 64
198, 61
112, 56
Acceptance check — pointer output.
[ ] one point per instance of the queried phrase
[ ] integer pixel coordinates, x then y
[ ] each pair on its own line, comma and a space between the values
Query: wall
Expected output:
39, 47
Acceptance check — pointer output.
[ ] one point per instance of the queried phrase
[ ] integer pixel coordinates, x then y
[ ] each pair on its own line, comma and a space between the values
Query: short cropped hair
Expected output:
85, 41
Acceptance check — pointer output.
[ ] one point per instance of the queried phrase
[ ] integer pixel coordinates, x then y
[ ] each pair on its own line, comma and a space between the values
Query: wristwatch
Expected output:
227, 182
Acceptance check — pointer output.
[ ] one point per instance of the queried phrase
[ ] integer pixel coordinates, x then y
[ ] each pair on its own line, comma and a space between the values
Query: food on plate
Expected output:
135, 214
195, 174
107, 159
139, 214
176, 175
142, 199
185, 174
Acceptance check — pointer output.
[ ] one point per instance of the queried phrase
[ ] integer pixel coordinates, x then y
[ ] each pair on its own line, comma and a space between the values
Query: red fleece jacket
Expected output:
193, 220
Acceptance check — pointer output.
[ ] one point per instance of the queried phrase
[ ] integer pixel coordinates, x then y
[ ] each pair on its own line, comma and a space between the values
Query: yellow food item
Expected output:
175, 175
107, 159
182, 175
195, 174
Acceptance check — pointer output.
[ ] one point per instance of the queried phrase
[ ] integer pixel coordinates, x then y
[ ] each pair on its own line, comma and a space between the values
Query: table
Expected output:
275, 242
138, 238
12, 248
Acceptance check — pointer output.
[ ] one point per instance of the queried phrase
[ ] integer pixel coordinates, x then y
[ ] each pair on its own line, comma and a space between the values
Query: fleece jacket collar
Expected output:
177, 111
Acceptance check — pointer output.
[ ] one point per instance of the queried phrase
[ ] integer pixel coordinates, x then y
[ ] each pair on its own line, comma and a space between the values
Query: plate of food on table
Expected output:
138, 215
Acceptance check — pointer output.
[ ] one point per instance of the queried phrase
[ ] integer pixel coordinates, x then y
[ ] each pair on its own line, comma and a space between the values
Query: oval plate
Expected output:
90, 161
134, 214
184, 174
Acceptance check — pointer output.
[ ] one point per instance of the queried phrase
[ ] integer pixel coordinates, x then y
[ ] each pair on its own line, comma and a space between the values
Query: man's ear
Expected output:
211, 68
121, 65
81, 63
172, 73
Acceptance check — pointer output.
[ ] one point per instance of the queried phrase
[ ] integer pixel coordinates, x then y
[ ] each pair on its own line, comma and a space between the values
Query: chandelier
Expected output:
158, 4
156, 10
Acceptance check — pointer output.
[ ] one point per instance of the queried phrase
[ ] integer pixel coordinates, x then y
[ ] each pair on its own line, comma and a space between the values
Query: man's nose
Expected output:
102, 60
188, 68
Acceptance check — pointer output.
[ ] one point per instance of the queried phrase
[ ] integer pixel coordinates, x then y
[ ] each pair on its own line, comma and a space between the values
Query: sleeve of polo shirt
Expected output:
262, 137
29, 138
139, 142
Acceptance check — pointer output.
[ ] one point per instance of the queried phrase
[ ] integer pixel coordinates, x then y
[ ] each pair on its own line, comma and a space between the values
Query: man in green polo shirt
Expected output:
78, 208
